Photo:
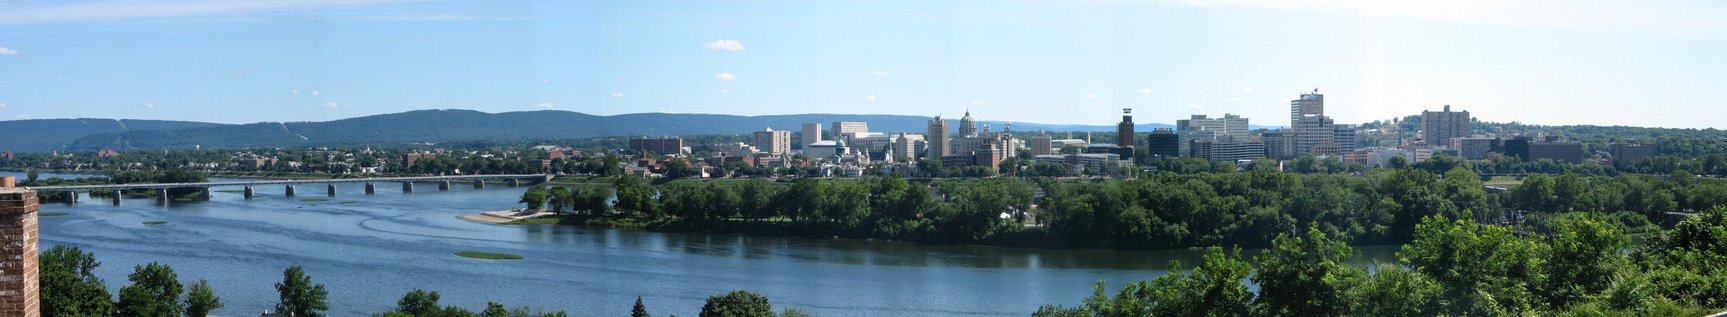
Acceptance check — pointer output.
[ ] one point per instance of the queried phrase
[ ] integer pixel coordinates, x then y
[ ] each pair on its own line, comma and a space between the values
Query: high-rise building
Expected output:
1124, 130
1163, 142
1311, 104
1625, 155
1279, 145
1226, 151
936, 139
844, 130
1311, 131
812, 133
1438, 128
773, 142
1231, 125
907, 145
1344, 136
1041, 144
967, 126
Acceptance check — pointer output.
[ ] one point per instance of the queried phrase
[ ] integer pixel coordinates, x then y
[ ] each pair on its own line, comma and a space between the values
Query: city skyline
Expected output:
1576, 63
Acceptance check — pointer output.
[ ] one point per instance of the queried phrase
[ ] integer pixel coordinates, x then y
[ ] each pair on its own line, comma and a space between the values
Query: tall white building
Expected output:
773, 142
843, 130
812, 133
936, 140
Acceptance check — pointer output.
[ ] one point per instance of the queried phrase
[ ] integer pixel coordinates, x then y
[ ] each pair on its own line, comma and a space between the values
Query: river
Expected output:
370, 249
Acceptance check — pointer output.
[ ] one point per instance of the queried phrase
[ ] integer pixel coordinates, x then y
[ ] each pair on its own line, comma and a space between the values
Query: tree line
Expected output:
1452, 267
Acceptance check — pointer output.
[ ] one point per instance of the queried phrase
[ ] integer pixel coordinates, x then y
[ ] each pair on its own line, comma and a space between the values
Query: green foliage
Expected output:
639, 310
1584, 254
200, 300
69, 286
535, 197
1482, 269
1305, 276
299, 296
1393, 290
418, 303
155, 291
738, 303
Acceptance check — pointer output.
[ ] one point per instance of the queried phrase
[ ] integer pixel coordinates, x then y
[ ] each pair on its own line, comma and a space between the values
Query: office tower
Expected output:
1474, 148
812, 133
907, 145
1311, 131
1279, 145
1163, 142
1344, 136
1311, 104
1124, 130
936, 139
1438, 128
1042, 144
773, 142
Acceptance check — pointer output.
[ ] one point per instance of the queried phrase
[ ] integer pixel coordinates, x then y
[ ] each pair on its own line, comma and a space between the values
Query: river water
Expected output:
370, 249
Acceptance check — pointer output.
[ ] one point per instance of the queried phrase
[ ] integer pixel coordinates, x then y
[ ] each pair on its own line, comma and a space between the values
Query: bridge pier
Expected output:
332, 190
289, 191
162, 195
480, 183
371, 188
249, 192
72, 198
207, 193
515, 182
116, 196
444, 185
407, 187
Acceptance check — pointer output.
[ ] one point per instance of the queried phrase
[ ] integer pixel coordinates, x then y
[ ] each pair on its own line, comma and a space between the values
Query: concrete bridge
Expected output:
444, 182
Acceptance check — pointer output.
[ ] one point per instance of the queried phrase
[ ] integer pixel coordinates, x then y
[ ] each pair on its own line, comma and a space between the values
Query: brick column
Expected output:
19, 296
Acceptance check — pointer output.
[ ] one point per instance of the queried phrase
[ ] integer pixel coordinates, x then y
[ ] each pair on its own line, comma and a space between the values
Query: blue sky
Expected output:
1642, 63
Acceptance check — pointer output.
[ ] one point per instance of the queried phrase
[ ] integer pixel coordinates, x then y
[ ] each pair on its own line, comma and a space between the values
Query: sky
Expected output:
1638, 63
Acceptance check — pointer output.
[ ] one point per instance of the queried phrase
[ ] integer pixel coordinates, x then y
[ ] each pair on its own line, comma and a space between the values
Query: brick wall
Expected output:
19, 274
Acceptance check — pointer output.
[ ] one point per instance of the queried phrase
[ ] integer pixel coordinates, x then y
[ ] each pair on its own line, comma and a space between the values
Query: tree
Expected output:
1394, 291
155, 291
418, 302
494, 309
561, 199
738, 303
1305, 277
1483, 270
1585, 253
535, 197
69, 285
299, 296
1212, 289
639, 310
200, 300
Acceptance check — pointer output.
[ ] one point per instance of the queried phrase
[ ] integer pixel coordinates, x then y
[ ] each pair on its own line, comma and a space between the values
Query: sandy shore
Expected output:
501, 216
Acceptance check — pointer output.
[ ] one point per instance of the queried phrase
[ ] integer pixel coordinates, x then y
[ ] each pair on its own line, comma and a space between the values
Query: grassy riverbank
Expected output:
488, 255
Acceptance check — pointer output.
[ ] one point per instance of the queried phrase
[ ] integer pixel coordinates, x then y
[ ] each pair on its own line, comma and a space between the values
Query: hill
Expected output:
42, 135
433, 126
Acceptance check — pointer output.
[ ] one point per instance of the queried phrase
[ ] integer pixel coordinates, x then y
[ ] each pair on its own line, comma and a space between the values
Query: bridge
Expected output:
479, 181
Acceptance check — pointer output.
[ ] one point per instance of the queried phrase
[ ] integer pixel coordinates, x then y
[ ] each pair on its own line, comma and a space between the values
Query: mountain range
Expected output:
431, 126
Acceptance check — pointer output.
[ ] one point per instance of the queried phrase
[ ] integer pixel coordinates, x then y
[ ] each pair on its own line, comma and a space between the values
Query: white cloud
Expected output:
617, 95
332, 106
21, 117
316, 93
1248, 89
125, 10
237, 73
724, 45
1195, 106
1144, 92
2, 105
1090, 96
8, 52
546, 105
881, 73
1232, 99
725, 76
869, 99
725, 91
979, 102
545, 81
151, 105
295, 92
